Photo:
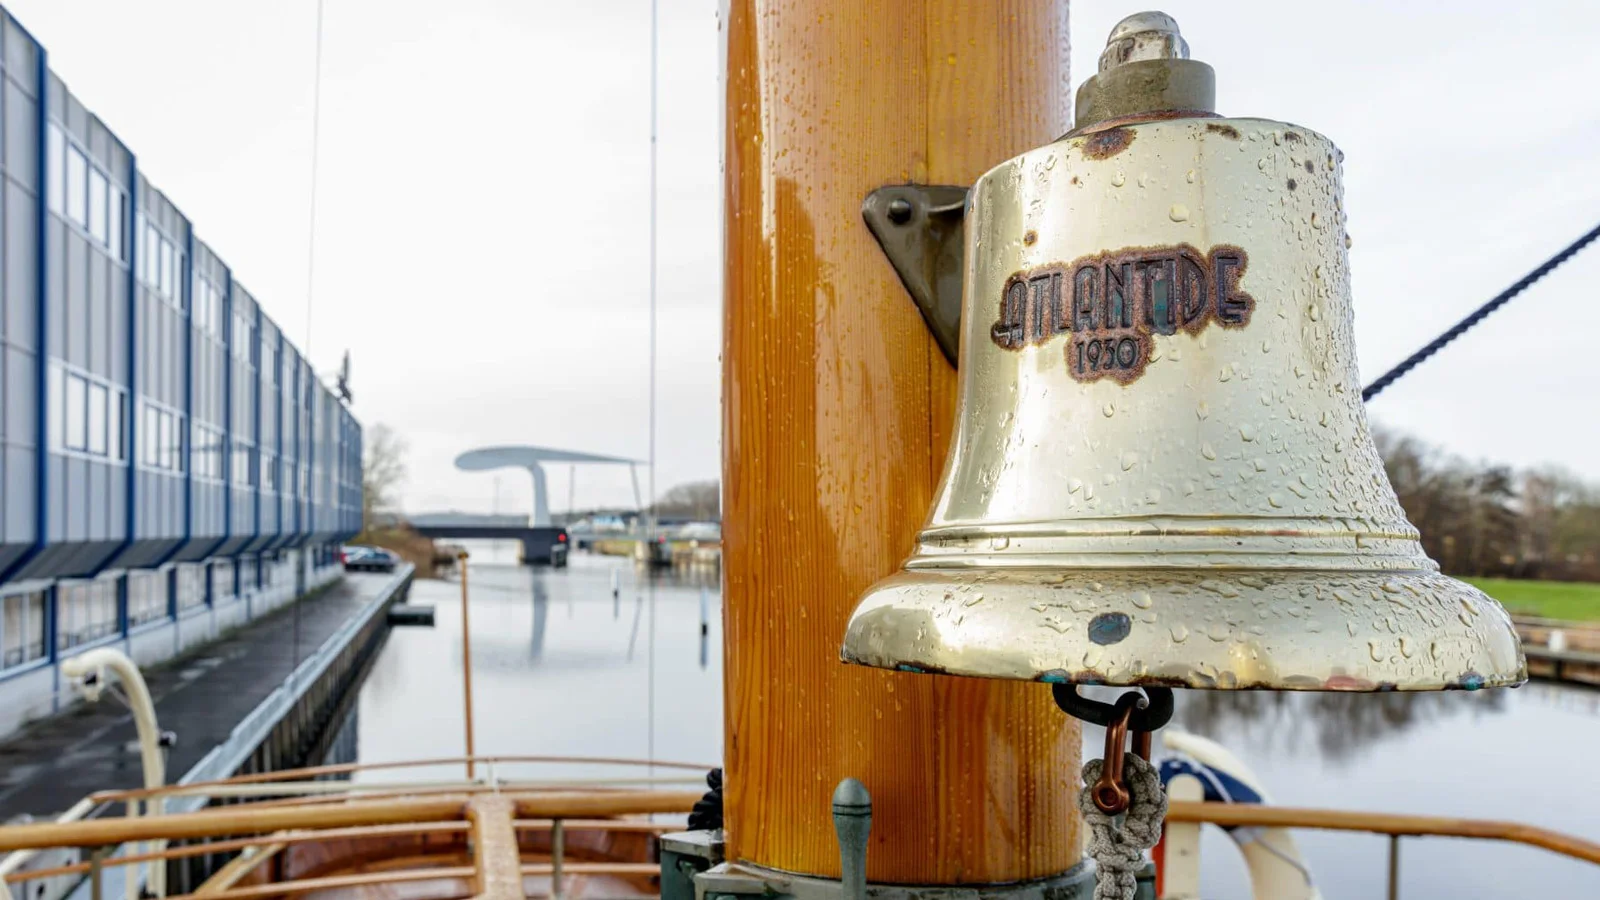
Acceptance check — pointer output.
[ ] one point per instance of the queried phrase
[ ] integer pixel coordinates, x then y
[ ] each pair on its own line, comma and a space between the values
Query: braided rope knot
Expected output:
1118, 852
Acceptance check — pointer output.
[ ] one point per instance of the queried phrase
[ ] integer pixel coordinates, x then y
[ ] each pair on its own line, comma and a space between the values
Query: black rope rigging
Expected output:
1478, 315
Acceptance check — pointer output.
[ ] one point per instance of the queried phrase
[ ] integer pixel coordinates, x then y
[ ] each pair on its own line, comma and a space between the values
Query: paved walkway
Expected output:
55, 762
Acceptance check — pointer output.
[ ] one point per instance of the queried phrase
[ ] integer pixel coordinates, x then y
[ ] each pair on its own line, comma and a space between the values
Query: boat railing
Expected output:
1394, 825
271, 812
265, 813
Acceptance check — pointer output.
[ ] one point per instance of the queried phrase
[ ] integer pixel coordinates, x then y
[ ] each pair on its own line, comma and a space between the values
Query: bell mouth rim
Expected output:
1126, 627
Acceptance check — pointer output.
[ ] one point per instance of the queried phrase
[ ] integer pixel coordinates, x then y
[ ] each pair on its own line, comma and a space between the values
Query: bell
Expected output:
1162, 472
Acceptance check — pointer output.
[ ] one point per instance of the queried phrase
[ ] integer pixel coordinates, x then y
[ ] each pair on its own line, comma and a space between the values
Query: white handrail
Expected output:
89, 671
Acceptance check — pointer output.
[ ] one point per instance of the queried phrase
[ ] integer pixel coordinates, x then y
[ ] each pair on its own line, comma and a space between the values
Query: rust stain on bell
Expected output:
1227, 131
1108, 143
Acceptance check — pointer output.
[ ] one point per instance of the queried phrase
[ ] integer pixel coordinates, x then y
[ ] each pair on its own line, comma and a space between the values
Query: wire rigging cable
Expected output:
311, 230
1478, 315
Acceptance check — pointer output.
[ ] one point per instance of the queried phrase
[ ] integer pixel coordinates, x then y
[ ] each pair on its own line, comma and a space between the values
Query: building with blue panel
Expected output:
170, 465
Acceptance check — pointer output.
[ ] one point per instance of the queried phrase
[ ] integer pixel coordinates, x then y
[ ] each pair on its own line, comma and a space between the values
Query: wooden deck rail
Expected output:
285, 838
407, 875
233, 821
1399, 825
348, 768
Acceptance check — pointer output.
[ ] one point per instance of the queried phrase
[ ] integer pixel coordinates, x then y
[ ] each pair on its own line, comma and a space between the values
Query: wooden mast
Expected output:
837, 414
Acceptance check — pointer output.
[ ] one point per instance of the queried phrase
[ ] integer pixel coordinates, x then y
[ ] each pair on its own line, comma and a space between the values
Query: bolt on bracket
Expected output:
920, 228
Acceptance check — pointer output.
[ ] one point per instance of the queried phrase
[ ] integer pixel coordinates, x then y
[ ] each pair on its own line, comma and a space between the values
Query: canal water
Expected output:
561, 667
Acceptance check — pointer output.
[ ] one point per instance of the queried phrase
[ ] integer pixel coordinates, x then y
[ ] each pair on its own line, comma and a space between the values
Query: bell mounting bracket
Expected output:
920, 228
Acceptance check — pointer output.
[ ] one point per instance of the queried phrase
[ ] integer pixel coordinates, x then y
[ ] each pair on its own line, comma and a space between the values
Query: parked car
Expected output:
369, 559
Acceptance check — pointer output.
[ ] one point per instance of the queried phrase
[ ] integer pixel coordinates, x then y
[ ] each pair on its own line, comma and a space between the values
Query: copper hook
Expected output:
1109, 793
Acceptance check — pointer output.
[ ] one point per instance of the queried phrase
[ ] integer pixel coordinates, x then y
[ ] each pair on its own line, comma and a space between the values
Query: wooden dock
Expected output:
1561, 651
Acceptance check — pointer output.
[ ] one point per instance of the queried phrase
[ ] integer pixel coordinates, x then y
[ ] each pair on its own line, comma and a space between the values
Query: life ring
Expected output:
1196, 768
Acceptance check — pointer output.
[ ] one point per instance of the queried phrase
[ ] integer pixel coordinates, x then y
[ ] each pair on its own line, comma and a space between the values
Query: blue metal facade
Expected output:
150, 412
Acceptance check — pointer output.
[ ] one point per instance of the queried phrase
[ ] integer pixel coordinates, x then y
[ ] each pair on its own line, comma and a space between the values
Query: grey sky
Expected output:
482, 230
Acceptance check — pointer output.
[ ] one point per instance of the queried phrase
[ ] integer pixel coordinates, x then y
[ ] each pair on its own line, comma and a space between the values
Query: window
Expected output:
207, 307
99, 421
247, 576
191, 586
269, 471
118, 211
88, 611
207, 452
164, 279
171, 444
222, 583
21, 628
200, 317
97, 208
57, 175
119, 428
163, 439
77, 390
77, 186
149, 255
87, 414
243, 325
243, 471
147, 597
151, 453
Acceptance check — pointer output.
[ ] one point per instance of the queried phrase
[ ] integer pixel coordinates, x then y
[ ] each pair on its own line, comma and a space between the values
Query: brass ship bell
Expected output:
1162, 472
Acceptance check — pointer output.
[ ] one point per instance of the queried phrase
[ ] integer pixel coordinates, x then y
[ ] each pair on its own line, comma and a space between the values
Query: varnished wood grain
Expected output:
837, 415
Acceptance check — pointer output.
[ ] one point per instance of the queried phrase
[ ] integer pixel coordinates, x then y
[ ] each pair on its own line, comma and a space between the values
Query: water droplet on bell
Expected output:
1202, 410
1374, 651
1074, 485
1129, 460
1218, 631
1091, 658
1275, 501
1118, 180
1190, 177
1208, 451
999, 543
1142, 600
1178, 213
1110, 409
1248, 432
1347, 241
1179, 633
1405, 647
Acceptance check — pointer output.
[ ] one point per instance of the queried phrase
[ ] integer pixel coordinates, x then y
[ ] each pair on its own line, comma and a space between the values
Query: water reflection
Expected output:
1341, 728
541, 617
584, 684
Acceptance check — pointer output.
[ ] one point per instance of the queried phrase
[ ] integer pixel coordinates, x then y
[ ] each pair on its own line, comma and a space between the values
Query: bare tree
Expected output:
1485, 519
383, 471
694, 499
